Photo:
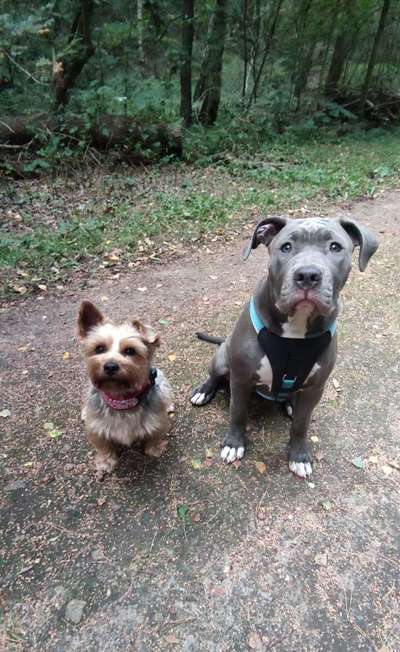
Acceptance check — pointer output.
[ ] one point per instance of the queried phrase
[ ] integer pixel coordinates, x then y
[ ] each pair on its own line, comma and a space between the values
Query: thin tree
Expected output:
212, 91
373, 55
186, 63
267, 48
67, 70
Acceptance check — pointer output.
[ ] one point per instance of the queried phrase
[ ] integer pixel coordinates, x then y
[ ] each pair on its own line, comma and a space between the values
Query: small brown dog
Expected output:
128, 400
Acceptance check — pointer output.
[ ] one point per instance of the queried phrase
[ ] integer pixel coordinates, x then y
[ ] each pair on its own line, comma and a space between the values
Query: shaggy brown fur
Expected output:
129, 349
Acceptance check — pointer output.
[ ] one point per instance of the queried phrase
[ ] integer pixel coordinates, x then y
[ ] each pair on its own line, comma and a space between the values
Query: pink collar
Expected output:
126, 403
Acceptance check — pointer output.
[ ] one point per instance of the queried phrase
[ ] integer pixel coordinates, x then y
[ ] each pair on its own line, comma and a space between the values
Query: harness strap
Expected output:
291, 359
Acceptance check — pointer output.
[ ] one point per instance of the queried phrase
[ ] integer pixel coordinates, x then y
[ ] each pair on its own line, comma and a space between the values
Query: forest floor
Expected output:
186, 553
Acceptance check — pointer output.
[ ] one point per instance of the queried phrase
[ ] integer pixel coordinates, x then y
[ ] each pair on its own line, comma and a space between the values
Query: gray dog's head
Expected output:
310, 259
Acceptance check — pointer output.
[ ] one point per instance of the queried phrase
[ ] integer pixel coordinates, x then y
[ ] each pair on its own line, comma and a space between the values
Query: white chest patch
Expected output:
264, 373
296, 325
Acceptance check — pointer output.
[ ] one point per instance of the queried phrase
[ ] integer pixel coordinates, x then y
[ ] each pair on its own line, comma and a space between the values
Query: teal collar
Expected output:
258, 323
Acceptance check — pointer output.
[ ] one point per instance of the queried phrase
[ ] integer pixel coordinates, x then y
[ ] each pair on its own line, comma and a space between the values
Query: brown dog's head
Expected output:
118, 357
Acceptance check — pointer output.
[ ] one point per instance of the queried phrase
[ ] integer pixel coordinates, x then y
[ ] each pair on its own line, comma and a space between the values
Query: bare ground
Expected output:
259, 560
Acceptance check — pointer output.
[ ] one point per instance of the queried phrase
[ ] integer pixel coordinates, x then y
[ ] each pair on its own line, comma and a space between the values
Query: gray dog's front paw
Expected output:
232, 447
301, 469
300, 461
230, 453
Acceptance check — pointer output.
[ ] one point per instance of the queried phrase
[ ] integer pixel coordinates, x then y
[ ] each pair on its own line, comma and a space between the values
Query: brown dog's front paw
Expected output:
156, 448
104, 464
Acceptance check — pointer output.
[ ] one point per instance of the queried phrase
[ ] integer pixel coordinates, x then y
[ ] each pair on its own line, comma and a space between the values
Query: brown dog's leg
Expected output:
106, 457
155, 446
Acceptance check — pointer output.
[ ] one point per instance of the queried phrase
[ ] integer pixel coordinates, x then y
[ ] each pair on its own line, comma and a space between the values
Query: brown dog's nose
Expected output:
307, 278
111, 368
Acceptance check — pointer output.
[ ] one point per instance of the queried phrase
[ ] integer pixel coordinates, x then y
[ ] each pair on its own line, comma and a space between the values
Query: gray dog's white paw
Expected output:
302, 469
199, 398
231, 454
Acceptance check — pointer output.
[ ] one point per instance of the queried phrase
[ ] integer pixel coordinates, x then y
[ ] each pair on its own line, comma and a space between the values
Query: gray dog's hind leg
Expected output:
303, 405
218, 372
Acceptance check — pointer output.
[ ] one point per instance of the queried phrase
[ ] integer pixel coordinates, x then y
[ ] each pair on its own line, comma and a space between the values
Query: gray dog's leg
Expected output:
233, 444
218, 372
303, 405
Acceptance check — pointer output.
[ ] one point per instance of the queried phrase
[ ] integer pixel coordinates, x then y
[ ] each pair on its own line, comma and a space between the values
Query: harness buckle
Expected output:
288, 383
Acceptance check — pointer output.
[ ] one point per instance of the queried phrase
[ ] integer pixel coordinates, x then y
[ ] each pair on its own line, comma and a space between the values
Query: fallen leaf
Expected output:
28, 464
143, 289
260, 466
101, 500
196, 464
210, 452
42, 287
163, 322
336, 384
172, 357
373, 459
326, 504
386, 469
104, 299
52, 431
255, 642
358, 462
314, 438
21, 289
321, 559
236, 464
66, 355
5, 413
25, 347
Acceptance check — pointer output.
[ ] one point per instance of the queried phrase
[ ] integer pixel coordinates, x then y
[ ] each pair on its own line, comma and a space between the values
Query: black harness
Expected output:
291, 359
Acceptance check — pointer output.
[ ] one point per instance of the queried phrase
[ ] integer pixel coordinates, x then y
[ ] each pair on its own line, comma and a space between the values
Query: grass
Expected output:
187, 202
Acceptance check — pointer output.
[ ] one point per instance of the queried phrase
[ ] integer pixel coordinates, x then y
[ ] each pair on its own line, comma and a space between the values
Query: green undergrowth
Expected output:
186, 202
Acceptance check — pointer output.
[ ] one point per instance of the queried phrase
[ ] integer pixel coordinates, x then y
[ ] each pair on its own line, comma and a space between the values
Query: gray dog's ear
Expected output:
362, 237
264, 233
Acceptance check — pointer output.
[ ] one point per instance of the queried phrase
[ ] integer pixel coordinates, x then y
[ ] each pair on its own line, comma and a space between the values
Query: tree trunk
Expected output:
212, 92
245, 49
267, 48
201, 82
186, 64
66, 71
374, 52
139, 16
339, 56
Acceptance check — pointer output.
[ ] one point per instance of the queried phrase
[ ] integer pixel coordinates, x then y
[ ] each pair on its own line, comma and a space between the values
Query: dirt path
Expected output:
258, 560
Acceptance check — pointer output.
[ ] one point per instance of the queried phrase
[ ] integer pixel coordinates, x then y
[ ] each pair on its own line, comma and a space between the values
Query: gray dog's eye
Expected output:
286, 247
335, 246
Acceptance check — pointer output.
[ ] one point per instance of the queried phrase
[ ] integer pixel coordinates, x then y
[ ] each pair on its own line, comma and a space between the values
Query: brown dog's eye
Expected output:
335, 246
129, 351
99, 349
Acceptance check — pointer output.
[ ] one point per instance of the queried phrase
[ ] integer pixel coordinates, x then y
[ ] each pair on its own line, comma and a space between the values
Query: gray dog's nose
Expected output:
308, 277
111, 368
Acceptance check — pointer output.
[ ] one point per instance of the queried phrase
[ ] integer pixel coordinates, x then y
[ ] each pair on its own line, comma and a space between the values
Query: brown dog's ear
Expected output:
362, 237
264, 233
148, 335
89, 317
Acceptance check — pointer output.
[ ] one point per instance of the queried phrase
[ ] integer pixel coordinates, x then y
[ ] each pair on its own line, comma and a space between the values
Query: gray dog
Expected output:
284, 343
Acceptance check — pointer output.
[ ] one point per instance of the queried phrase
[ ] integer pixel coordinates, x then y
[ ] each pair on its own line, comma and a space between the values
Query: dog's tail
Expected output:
210, 338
